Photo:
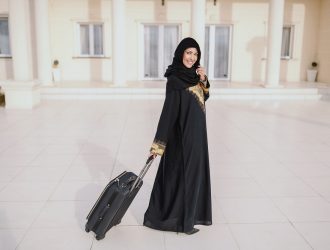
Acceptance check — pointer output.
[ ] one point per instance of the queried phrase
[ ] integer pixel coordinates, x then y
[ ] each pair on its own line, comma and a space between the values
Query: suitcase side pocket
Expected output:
102, 194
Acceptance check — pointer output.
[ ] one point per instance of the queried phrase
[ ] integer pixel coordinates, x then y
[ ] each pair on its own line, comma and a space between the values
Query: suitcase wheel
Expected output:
99, 237
87, 229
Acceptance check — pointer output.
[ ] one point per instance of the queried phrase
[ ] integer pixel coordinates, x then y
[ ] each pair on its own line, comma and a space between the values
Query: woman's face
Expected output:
190, 56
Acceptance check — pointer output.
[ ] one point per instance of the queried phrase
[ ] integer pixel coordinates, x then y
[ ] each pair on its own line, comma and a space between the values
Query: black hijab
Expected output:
179, 76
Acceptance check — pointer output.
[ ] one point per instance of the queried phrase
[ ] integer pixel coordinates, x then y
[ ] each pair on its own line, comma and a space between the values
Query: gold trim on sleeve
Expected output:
205, 89
198, 93
158, 147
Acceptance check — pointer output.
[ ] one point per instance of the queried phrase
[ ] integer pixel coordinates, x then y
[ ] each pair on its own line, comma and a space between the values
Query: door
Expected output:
217, 51
160, 42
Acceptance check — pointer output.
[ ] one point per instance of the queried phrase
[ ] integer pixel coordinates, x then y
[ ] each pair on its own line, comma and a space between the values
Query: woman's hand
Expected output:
201, 72
152, 154
151, 157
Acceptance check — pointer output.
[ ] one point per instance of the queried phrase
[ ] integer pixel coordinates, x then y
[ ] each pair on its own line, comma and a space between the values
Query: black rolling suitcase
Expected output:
114, 201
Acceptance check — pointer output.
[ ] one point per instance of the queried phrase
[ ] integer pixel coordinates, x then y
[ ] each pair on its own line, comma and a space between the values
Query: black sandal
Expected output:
193, 231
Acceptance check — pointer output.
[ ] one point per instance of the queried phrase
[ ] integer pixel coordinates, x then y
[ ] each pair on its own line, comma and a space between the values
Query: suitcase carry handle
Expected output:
143, 172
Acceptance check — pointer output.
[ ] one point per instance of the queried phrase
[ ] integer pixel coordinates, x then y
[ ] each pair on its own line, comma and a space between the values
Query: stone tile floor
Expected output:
270, 166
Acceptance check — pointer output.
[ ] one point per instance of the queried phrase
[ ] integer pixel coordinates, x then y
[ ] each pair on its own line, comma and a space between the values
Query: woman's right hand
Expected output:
151, 157
152, 154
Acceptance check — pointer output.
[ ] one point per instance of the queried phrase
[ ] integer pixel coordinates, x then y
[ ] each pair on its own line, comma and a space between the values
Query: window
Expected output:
4, 37
287, 37
160, 42
91, 39
217, 51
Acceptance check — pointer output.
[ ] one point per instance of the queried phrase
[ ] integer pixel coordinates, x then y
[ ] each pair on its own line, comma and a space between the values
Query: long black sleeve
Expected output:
167, 121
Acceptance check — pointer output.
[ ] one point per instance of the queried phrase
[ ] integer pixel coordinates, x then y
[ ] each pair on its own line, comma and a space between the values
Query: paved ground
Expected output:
270, 165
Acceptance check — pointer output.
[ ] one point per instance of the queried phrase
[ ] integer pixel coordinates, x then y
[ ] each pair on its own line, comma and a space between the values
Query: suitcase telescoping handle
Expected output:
143, 172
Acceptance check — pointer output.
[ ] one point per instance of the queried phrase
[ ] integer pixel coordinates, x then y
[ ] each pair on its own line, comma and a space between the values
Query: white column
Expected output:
21, 92
19, 43
43, 42
118, 42
275, 27
198, 23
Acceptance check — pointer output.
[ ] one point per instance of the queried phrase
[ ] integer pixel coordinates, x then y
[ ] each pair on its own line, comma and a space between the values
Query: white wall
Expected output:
323, 56
248, 19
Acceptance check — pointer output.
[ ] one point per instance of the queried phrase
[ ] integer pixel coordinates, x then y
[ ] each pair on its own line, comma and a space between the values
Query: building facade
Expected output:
119, 41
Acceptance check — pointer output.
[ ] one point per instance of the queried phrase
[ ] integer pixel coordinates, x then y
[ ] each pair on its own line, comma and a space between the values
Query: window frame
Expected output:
2, 55
91, 40
292, 31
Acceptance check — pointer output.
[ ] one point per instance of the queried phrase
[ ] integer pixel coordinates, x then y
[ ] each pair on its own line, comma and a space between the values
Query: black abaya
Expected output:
181, 195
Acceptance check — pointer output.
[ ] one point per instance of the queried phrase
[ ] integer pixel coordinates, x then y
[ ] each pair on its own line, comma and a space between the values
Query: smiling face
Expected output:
190, 56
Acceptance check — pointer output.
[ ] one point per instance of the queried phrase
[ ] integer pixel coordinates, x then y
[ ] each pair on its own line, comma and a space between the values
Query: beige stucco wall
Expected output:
323, 53
247, 18
249, 34
64, 16
304, 15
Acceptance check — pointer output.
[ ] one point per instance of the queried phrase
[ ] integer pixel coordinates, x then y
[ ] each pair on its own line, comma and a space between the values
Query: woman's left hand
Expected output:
201, 72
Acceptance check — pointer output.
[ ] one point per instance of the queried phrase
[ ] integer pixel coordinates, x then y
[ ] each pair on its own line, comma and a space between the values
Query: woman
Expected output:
181, 195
